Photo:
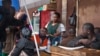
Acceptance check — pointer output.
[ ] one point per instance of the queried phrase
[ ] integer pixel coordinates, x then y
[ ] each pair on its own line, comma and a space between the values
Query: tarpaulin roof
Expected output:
33, 3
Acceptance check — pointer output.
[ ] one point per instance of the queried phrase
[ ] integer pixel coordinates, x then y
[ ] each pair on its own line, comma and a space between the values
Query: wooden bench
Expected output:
56, 51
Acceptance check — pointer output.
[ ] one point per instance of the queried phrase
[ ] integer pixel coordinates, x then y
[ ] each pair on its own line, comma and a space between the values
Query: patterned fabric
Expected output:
39, 41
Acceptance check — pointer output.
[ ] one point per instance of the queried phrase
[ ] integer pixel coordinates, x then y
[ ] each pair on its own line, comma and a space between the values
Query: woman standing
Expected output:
55, 28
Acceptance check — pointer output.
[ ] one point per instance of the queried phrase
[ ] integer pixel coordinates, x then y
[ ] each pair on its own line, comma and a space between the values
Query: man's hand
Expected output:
84, 41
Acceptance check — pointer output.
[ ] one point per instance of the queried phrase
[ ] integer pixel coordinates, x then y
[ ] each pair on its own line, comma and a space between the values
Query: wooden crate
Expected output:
52, 6
56, 51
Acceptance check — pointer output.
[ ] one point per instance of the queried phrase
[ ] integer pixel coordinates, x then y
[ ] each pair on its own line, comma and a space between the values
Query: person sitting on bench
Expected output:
88, 39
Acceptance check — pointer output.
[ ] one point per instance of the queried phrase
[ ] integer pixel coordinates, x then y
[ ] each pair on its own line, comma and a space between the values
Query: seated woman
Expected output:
88, 39
55, 28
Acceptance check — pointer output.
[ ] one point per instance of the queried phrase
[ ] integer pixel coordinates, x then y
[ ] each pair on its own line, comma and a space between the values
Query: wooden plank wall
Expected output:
89, 11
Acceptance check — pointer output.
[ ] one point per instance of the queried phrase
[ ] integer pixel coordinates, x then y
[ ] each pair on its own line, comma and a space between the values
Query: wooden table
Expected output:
45, 54
56, 51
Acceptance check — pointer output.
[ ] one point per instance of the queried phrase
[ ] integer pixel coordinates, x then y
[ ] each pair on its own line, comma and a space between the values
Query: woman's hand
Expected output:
49, 35
57, 34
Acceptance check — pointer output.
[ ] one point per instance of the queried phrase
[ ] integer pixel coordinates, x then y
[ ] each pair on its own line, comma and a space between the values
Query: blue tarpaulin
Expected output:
0, 2
15, 3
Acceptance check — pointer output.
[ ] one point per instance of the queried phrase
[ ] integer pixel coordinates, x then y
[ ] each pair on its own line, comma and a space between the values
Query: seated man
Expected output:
67, 36
42, 38
97, 30
88, 39
24, 43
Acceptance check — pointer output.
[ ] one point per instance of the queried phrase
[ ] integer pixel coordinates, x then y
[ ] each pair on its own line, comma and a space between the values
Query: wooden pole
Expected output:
77, 14
37, 49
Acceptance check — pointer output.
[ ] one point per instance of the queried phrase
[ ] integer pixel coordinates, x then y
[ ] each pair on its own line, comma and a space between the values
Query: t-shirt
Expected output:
60, 28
